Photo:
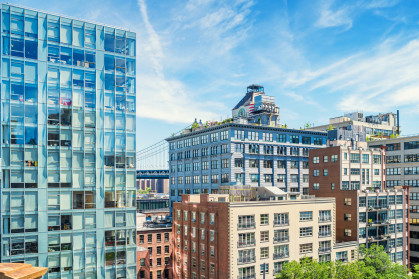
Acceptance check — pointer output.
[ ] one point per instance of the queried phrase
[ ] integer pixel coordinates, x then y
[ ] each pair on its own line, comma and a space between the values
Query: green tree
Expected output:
415, 274
194, 126
373, 263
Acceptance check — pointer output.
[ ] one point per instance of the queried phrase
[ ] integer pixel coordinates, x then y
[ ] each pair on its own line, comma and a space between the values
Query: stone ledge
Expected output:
21, 271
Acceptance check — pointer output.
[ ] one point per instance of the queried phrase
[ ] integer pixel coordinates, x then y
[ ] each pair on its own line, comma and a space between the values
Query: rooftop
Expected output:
212, 126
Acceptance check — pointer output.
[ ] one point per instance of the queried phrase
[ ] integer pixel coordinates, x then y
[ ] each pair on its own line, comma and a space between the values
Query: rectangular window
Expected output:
264, 252
264, 219
306, 231
306, 248
306, 216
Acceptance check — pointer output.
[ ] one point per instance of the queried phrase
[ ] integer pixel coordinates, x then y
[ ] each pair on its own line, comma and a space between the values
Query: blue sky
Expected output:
319, 58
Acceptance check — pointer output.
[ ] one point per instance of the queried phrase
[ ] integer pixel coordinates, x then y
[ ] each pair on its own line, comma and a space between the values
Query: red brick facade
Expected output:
199, 261
325, 190
158, 263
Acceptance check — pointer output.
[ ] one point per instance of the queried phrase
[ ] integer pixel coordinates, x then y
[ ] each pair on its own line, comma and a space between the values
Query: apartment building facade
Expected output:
67, 109
366, 211
234, 154
217, 238
382, 125
402, 169
154, 244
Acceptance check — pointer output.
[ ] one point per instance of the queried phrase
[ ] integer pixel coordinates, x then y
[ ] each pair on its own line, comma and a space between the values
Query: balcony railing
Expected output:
325, 234
245, 244
246, 226
325, 219
281, 239
248, 276
325, 249
246, 260
280, 256
285, 223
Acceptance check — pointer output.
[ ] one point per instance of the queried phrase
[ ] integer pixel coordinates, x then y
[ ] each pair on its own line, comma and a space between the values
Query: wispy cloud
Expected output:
166, 98
331, 14
334, 18
380, 79
219, 27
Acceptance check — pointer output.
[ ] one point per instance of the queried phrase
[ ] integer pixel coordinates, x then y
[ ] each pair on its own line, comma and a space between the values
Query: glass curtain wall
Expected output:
68, 145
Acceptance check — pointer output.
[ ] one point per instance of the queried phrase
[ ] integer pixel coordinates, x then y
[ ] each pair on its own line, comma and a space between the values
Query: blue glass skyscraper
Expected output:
67, 145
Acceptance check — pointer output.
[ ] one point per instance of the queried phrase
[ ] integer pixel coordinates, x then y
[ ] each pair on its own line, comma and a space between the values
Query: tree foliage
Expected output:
373, 263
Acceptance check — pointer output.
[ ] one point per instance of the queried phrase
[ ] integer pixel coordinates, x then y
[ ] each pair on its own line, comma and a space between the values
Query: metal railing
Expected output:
281, 239
246, 226
248, 276
281, 256
245, 260
241, 244
325, 234
325, 249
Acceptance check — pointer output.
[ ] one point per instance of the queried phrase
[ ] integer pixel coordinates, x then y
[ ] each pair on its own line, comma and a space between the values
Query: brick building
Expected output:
215, 237
366, 211
154, 244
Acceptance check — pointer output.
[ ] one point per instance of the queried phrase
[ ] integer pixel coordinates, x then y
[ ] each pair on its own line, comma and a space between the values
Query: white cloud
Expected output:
334, 18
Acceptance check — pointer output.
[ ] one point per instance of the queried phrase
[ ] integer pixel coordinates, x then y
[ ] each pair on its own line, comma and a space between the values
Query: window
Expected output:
264, 252
316, 172
268, 178
281, 219
212, 235
306, 248
306, 216
264, 219
333, 158
281, 138
348, 232
325, 172
247, 221
212, 218
264, 236
306, 231
294, 164
316, 160
347, 217
365, 158
225, 178
294, 139
316, 186
202, 218
355, 158
254, 178
240, 178
325, 159
280, 178
239, 162
253, 163
348, 201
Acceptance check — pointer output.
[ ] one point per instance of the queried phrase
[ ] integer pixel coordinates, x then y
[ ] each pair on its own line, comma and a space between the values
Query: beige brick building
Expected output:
248, 239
